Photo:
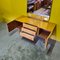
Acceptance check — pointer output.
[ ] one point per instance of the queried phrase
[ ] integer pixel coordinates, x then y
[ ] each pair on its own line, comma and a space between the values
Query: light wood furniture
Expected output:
30, 27
28, 31
45, 29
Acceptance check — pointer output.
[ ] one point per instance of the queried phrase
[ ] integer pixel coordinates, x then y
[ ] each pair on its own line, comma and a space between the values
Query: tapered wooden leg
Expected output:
46, 43
46, 40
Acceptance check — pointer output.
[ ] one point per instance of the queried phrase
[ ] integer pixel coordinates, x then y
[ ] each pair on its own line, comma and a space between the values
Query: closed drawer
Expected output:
30, 27
28, 31
30, 37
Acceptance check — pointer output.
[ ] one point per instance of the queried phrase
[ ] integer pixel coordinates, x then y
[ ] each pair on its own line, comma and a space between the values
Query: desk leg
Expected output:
46, 40
46, 43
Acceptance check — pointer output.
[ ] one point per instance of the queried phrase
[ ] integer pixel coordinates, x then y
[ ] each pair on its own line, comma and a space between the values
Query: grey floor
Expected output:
7, 40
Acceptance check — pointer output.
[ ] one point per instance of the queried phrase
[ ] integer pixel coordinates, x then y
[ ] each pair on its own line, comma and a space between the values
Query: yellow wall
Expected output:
11, 9
55, 17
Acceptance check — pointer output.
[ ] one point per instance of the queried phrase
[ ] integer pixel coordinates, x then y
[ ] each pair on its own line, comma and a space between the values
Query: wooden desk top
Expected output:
41, 24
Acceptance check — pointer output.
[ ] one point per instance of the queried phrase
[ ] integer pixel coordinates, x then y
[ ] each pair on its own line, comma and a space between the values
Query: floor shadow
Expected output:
52, 44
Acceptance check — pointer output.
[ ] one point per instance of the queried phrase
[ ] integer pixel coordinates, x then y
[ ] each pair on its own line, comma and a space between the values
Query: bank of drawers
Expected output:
28, 31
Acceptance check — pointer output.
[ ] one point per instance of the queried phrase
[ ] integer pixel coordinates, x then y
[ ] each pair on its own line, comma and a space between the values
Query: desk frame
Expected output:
48, 26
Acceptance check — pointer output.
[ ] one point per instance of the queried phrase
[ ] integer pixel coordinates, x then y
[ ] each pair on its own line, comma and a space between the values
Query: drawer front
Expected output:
30, 37
30, 27
28, 31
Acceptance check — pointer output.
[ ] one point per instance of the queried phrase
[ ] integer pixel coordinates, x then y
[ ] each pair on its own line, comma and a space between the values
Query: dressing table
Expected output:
32, 27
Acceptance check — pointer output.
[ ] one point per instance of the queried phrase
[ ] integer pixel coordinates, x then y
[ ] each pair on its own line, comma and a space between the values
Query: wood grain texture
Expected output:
36, 22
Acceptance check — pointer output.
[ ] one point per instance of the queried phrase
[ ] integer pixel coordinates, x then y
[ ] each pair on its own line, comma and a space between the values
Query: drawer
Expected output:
28, 31
30, 37
30, 27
